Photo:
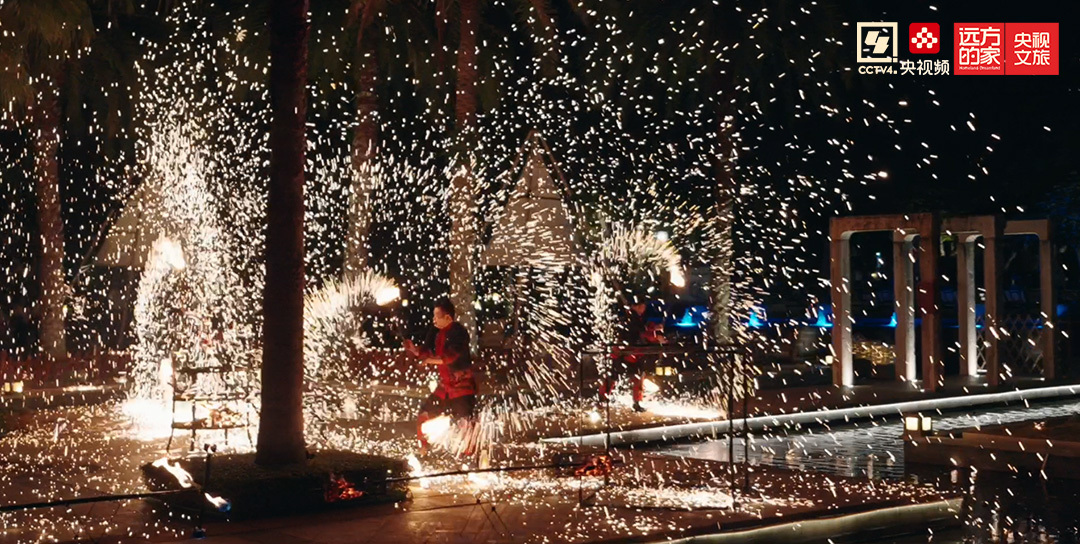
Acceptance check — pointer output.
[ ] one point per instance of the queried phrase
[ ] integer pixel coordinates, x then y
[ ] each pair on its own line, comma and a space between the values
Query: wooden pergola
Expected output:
925, 298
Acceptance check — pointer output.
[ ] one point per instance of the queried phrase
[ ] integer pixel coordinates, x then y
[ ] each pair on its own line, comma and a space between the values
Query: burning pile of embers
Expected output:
338, 489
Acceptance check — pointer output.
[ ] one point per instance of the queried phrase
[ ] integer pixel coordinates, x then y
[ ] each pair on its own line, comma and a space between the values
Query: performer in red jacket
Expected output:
447, 348
636, 332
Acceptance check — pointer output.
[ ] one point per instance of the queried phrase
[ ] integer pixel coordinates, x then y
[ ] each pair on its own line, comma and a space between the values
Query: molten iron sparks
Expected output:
597, 465
167, 252
436, 427
650, 387
667, 409
416, 469
677, 277
386, 295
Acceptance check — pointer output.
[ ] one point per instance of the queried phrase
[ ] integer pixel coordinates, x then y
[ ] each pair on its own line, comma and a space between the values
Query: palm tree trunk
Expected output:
465, 96
545, 32
724, 172
46, 122
281, 425
462, 201
442, 19
365, 140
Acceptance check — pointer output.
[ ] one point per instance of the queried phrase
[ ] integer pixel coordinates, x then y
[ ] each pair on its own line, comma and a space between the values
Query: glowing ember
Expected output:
597, 465
222, 505
182, 476
339, 489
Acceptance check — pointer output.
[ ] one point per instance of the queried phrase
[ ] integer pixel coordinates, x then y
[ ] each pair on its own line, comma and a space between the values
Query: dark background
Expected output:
1029, 169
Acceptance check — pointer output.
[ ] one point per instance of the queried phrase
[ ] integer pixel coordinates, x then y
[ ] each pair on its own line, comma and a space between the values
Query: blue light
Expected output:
892, 321
687, 320
824, 317
756, 321
693, 317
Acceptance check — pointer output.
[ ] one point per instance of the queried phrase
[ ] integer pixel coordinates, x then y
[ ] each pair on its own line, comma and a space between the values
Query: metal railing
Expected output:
727, 363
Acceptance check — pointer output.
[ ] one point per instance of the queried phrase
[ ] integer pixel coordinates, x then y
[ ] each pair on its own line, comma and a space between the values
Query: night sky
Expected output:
1034, 116
997, 144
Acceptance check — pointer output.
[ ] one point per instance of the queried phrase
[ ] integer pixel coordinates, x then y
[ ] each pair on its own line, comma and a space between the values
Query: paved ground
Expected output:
78, 451
648, 499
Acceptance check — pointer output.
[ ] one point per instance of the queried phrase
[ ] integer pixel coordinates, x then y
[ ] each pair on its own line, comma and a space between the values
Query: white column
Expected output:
904, 305
840, 264
965, 303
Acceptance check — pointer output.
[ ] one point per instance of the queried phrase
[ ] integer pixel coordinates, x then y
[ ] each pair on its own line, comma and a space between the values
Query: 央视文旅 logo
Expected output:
877, 42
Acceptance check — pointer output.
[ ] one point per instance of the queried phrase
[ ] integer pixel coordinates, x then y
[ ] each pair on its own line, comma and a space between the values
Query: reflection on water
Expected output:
952, 537
1005, 508
999, 508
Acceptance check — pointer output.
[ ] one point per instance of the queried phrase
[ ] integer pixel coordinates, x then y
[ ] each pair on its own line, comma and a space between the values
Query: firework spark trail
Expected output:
329, 316
201, 194
613, 171
204, 152
331, 337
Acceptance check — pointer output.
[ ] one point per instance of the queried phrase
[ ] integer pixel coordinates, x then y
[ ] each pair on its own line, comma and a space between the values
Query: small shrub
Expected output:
256, 491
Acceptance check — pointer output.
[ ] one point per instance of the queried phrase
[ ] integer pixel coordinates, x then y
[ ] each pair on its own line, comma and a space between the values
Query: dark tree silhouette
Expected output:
281, 427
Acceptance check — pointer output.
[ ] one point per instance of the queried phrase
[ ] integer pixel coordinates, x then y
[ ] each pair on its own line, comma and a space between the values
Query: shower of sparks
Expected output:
635, 121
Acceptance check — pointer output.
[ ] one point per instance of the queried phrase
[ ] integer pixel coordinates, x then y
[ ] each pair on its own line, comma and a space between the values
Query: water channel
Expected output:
999, 508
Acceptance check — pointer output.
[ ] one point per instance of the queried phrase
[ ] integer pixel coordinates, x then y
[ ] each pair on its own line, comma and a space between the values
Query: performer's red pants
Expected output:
624, 364
435, 405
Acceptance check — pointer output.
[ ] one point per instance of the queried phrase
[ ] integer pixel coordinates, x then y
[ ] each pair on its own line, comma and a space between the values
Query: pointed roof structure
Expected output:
130, 235
535, 227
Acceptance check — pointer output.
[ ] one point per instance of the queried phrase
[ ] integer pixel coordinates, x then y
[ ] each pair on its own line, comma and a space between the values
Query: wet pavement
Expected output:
998, 507
870, 448
79, 451
88, 451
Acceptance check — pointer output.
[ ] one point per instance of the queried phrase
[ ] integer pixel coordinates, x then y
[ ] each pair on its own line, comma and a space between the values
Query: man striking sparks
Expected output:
446, 347
636, 332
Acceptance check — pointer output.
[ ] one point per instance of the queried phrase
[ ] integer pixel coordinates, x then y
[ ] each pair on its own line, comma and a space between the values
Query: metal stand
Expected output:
181, 395
200, 530
743, 432
583, 499
491, 517
733, 372
747, 469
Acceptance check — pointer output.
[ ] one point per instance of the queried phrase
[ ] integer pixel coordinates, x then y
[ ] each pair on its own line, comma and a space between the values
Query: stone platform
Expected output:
1048, 448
